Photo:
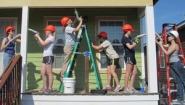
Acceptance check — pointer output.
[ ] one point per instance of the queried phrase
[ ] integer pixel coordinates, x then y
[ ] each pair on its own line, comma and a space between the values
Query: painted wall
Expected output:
34, 57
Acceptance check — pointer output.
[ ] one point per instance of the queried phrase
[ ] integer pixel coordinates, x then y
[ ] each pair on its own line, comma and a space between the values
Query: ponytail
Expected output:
54, 35
63, 30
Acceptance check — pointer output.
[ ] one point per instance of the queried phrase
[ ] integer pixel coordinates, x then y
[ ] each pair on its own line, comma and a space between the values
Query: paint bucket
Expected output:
69, 85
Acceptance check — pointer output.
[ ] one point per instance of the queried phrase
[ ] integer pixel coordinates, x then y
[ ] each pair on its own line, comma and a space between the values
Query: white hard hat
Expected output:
174, 33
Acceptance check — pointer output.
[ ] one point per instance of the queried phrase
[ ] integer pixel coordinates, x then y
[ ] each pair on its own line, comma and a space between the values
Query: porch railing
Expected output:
10, 82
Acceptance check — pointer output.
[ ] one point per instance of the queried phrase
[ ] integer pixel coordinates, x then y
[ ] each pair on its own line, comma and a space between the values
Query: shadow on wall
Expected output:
31, 80
138, 80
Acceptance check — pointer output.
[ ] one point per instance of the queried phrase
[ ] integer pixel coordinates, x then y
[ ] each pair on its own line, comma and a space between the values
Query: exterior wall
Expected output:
182, 37
34, 57
80, 3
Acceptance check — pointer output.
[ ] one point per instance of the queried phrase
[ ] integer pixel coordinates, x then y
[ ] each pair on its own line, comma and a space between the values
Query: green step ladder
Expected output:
74, 55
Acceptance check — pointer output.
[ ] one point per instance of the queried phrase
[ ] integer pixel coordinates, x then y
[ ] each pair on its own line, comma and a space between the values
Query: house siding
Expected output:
34, 54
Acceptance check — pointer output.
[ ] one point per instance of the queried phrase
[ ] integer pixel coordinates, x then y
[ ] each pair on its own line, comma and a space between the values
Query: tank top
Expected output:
10, 49
174, 56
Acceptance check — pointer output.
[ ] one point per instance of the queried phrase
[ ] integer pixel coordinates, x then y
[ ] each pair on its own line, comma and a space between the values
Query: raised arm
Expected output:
79, 25
40, 41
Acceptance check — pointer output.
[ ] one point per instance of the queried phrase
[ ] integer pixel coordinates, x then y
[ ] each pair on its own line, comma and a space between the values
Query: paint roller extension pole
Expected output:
34, 31
76, 13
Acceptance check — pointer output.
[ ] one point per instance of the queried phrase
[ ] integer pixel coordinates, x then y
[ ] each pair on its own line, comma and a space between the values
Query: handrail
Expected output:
10, 82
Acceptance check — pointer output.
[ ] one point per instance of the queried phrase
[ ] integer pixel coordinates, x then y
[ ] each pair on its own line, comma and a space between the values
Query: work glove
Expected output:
136, 40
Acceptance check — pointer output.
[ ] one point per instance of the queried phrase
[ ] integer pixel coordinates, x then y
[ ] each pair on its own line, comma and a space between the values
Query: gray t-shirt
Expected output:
48, 49
69, 36
109, 50
174, 56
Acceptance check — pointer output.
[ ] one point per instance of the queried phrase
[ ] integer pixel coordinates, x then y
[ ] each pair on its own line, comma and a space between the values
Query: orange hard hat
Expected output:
8, 28
102, 34
127, 27
64, 20
50, 28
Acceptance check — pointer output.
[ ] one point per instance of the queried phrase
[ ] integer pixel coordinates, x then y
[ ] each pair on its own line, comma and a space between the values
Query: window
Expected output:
162, 62
59, 43
4, 22
113, 29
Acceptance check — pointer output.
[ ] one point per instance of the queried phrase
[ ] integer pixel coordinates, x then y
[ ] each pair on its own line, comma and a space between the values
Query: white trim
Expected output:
90, 99
151, 51
24, 37
142, 56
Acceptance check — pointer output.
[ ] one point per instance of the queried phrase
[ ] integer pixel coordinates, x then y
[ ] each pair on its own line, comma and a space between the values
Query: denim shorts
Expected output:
6, 59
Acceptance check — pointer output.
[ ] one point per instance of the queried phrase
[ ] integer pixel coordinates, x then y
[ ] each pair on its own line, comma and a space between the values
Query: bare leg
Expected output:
134, 73
113, 68
50, 75
108, 75
127, 74
43, 74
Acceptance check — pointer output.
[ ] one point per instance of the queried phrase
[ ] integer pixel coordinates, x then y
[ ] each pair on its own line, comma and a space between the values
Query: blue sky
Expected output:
168, 11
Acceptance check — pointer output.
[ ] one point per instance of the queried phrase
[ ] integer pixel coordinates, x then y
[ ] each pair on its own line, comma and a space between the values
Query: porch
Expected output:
32, 54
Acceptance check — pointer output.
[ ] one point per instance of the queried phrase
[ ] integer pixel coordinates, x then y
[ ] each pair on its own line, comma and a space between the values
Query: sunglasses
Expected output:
168, 35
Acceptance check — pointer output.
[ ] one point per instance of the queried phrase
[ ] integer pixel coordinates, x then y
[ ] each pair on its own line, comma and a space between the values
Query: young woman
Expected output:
69, 32
8, 45
48, 57
130, 60
175, 64
112, 60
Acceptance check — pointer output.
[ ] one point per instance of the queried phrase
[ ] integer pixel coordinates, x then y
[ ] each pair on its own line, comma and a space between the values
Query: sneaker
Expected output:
118, 88
42, 90
126, 90
133, 90
107, 87
48, 91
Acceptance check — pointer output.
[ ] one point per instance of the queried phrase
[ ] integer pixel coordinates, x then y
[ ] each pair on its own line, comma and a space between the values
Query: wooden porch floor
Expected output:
109, 92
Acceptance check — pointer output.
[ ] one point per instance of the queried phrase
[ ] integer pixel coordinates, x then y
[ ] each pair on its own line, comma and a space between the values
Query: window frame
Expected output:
162, 59
54, 18
107, 18
15, 22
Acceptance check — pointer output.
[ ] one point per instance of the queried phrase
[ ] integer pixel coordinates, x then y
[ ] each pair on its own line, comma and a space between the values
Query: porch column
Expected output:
24, 36
151, 50
141, 14
142, 54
